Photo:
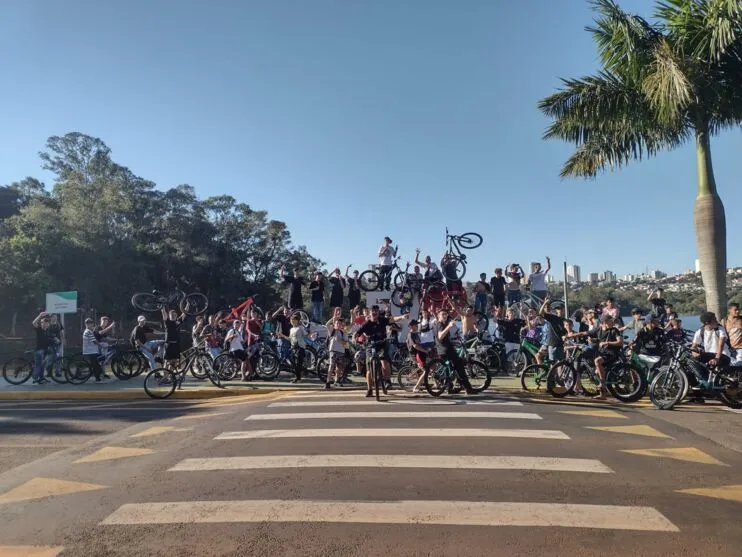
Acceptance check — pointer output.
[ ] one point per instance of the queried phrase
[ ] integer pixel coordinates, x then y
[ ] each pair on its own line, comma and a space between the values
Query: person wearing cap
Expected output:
139, 341
637, 323
375, 330
386, 254
553, 332
650, 338
446, 348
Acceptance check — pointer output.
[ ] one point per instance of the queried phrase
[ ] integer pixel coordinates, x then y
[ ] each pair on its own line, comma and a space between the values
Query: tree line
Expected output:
105, 232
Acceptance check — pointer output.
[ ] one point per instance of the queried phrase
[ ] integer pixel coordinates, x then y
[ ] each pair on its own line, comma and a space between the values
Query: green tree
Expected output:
661, 85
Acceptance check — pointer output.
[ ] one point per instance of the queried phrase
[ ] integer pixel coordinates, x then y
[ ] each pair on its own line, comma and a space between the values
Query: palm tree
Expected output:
660, 85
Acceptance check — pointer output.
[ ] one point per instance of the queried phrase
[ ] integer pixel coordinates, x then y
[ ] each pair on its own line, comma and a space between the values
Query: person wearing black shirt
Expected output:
337, 283
658, 302
650, 338
510, 328
375, 331
172, 323
317, 288
295, 300
354, 288
497, 286
283, 328
446, 349
139, 340
609, 340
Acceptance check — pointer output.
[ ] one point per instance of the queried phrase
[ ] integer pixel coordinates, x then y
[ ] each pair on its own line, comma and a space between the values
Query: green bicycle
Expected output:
440, 375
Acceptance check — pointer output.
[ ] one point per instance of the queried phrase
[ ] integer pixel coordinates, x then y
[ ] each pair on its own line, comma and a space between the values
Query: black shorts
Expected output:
241, 355
609, 356
498, 300
172, 351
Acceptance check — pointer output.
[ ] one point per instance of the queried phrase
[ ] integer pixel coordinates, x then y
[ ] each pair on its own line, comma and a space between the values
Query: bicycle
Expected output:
370, 279
453, 264
161, 383
671, 385
440, 375
373, 359
17, 371
191, 304
529, 301
517, 359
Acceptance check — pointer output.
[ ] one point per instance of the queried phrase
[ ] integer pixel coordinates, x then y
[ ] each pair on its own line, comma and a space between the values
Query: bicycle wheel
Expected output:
519, 309
78, 370
376, 367
369, 281
553, 304
589, 380
408, 376
478, 374
731, 396
146, 302
402, 297
226, 366
399, 279
561, 379
470, 240
125, 364
436, 378
194, 304
668, 388
533, 378
515, 361
436, 291
310, 359
625, 383
17, 371
303, 317
267, 365
455, 269
201, 366
56, 370
160, 383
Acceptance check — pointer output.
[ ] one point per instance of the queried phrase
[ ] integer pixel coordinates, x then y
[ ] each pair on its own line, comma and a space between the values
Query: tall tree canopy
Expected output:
661, 84
107, 233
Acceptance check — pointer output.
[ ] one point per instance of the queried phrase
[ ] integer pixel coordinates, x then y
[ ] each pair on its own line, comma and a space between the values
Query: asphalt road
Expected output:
318, 473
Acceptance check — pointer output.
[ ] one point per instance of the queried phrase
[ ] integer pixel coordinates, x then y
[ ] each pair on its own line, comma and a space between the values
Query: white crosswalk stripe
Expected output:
454, 513
394, 415
393, 461
423, 402
397, 432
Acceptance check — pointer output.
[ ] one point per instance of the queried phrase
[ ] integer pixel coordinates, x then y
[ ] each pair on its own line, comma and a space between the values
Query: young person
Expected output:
386, 254
710, 342
515, 275
140, 341
481, 291
172, 322
337, 284
418, 351
44, 347
91, 349
354, 288
733, 326
235, 341
338, 342
295, 282
537, 279
375, 330
609, 342
445, 347
297, 339
317, 288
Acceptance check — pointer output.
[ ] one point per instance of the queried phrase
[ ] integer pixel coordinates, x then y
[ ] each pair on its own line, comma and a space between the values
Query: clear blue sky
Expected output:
351, 120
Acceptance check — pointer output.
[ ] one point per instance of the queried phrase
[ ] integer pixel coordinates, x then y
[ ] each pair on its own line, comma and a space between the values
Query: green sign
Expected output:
61, 302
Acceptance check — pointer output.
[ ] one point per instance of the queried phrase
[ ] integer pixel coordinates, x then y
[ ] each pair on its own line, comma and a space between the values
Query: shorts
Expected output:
421, 359
241, 355
337, 359
252, 350
498, 300
609, 356
556, 353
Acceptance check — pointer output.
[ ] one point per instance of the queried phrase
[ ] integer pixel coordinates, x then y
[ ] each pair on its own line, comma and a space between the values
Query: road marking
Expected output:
38, 488
396, 432
112, 453
157, 430
393, 415
735, 410
687, 454
595, 413
592, 403
423, 402
32, 446
454, 513
643, 430
30, 550
199, 416
393, 461
726, 492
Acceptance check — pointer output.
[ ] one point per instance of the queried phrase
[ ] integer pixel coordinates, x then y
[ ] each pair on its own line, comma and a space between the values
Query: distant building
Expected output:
594, 277
698, 265
657, 275
629, 278
573, 274
549, 279
609, 276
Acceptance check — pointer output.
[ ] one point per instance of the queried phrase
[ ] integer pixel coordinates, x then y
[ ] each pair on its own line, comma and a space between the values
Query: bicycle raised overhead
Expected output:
453, 264
191, 304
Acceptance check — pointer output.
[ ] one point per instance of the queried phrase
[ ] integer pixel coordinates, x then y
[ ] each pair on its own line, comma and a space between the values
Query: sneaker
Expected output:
327, 386
471, 392
295, 380
336, 384
105, 376
369, 393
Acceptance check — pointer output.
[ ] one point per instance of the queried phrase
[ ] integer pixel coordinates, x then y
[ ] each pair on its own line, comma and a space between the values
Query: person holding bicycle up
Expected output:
432, 272
443, 329
386, 254
374, 330
172, 323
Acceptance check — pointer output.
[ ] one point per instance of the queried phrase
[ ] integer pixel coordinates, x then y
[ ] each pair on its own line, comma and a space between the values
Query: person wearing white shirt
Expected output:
537, 279
386, 254
711, 342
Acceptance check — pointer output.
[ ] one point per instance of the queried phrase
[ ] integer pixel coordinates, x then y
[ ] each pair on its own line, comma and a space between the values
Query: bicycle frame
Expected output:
236, 312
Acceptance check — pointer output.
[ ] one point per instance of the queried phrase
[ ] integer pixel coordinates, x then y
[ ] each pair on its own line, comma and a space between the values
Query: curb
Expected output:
184, 394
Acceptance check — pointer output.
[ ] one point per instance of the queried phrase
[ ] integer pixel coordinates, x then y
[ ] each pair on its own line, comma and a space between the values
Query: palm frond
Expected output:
625, 41
667, 86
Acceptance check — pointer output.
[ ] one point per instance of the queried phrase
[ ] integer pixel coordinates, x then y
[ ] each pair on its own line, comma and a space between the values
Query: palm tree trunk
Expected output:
711, 230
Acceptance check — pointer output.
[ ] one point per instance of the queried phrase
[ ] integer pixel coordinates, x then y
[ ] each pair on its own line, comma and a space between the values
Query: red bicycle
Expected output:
249, 304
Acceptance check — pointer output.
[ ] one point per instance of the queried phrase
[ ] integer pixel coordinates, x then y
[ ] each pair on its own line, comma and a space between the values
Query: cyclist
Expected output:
497, 286
337, 283
297, 338
468, 323
711, 342
657, 301
537, 279
103, 332
386, 254
432, 273
417, 351
91, 349
675, 332
650, 338
553, 333
609, 341
354, 288
172, 323
254, 336
637, 323
234, 341
375, 330
442, 330
139, 340
668, 316
212, 336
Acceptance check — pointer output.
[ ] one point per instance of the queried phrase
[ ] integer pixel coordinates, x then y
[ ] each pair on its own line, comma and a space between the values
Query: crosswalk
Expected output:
320, 433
